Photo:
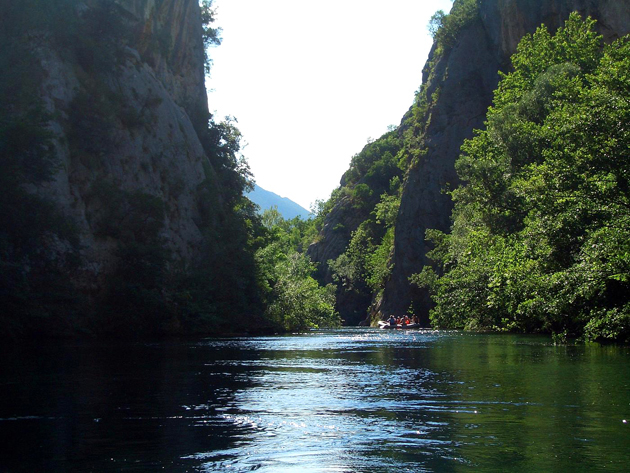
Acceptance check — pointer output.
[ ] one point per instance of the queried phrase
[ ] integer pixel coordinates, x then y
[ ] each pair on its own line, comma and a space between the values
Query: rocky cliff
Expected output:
467, 75
340, 223
142, 179
131, 127
457, 89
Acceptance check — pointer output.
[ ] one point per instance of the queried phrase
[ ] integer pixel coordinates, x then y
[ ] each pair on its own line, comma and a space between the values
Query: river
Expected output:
349, 400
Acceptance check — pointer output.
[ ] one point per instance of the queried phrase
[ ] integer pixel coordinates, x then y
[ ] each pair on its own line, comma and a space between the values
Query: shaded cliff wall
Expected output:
132, 126
466, 76
339, 224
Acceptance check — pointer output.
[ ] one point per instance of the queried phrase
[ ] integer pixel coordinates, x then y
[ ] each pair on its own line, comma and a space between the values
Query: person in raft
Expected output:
392, 320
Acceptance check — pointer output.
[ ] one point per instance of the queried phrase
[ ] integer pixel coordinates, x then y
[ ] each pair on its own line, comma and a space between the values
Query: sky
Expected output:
310, 82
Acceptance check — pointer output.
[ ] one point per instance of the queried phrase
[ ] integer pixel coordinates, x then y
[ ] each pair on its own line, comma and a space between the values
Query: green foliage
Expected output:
365, 265
223, 280
386, 210
540, 230
294, 233
361, 195
350, 268
445, 28
222, 143
376, 164
298, 302
219, 292
378, 263
320, 209
294, 300
436, 22
370, 189
211, 36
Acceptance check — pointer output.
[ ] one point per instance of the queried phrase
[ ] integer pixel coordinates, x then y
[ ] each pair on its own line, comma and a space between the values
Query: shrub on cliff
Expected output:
541, 229
445, 28
211, 36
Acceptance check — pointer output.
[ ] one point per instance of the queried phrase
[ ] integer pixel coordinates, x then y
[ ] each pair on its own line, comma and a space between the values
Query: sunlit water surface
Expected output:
352, 400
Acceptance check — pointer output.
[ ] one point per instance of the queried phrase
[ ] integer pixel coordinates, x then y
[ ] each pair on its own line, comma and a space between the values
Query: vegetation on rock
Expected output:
540, 233
370, 190
540, 228
245, 275
444, 28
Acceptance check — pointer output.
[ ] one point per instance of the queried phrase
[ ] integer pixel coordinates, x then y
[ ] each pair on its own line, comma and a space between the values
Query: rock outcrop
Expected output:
467, 75
132, 126
457, 89
339, 224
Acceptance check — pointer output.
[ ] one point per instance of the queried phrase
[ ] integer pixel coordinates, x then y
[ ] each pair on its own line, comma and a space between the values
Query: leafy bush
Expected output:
294, 300
365, 265
540, 230
445, 28
361, 195
298, 301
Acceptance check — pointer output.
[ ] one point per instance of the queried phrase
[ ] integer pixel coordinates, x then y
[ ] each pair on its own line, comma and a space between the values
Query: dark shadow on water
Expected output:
112, 407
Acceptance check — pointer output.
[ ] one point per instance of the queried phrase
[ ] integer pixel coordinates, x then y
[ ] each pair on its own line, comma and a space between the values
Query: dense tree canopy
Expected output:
541, 229
294, 300
372, 185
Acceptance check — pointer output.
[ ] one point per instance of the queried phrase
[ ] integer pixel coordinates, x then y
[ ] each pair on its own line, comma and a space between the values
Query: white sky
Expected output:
310, 81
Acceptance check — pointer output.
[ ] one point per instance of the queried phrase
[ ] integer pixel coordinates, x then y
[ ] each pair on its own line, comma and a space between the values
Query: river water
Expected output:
350, 400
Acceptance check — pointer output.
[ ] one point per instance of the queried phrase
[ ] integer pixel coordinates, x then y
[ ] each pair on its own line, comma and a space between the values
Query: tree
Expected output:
294, 300
540, 230
298, 301
211, 36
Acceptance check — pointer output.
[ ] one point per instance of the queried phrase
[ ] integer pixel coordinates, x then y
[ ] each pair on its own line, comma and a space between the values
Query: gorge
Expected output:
124, 207
459, 79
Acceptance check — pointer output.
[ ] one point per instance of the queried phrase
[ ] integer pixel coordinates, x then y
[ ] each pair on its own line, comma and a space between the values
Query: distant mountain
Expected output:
266, 200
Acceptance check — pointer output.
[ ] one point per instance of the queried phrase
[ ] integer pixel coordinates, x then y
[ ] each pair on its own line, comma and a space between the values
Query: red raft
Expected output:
386, 325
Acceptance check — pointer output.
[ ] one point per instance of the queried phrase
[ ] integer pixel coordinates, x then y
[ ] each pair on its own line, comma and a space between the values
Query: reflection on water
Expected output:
352, 400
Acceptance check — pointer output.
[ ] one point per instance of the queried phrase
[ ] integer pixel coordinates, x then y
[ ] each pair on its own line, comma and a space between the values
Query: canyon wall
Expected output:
457, 89
123, 206
131, 127
467, 76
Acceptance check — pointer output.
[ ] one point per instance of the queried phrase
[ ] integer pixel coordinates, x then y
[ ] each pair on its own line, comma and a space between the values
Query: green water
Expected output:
352, 400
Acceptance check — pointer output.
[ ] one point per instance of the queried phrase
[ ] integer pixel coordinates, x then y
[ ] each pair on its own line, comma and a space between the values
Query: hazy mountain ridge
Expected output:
266, 199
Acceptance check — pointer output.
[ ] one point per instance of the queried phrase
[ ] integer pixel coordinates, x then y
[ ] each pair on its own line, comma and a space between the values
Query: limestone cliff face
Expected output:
178, 62
336, 233
458, 85
128, 131
466, 76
